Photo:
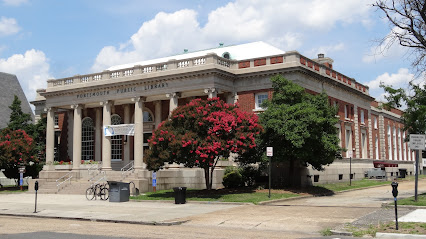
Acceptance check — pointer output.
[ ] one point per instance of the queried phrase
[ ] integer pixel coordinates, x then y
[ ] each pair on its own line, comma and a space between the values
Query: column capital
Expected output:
139, 98
77, 106
47, 109
106, 102
209, 90
173, 95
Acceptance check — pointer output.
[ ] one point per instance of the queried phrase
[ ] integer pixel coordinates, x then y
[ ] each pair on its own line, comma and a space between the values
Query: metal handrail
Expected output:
63, 176
101, 179
59, 184
125, 171
92, 178
93, 168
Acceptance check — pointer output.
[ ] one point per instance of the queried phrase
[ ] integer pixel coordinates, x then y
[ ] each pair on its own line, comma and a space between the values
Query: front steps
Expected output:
79, 186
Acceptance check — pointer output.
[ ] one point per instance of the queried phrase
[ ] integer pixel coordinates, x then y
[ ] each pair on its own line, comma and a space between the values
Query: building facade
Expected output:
143, 94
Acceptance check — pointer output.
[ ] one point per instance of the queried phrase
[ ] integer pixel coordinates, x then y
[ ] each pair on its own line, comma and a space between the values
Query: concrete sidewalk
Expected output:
78, 207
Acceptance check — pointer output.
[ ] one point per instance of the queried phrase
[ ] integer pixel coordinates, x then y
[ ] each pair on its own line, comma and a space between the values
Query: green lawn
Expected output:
337, 187
421, 200
220, 195
12, 189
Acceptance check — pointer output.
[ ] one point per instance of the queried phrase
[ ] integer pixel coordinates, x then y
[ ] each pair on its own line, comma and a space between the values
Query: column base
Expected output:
107, 168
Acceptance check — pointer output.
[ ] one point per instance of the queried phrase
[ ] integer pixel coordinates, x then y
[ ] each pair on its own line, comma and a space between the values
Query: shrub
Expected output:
233, 179
249, 175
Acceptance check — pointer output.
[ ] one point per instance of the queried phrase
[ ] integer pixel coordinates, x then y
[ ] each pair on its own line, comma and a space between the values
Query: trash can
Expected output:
180, 195
119, 191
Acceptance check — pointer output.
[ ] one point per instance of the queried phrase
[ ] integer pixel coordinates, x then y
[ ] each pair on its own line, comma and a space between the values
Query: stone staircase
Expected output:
80, 185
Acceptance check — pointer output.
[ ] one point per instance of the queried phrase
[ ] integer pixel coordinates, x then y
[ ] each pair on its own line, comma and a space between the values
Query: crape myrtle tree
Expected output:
300, 126
16, 150
200, 133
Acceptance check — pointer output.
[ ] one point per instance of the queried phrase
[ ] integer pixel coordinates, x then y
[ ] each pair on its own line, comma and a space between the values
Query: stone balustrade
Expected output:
292, 58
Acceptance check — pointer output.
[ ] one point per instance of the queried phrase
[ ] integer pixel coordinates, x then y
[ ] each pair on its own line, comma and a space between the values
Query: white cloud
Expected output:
280, 23
31, 68
14, 2
8, 26
400, 79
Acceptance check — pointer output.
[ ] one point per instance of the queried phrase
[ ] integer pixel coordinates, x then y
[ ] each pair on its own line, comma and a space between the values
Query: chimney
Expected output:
328, 62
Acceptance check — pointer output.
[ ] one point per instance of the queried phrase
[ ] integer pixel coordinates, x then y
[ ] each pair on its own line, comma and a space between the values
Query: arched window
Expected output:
147, 117
116, 141
87, 139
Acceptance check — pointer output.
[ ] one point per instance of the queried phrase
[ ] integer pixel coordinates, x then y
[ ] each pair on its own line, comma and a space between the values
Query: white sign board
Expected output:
119, 129
269, 151
350, 153
417, 141
154, 175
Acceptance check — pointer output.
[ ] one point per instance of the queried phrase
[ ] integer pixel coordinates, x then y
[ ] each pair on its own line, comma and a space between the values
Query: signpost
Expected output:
154, 181
269, 153
417, 142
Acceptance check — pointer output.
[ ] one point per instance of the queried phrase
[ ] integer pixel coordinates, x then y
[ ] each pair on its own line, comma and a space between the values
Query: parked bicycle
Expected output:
98, 190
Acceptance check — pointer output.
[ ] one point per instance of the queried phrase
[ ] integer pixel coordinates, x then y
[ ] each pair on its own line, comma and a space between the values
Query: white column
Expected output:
106, 141
126, 145
50, 138
76, 150
211, 92
138, 138
356, 132
158, 110
173, 101
98, 134
231, 97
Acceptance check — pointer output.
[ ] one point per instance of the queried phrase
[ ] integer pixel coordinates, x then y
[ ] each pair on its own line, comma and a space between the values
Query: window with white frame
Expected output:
116, 141
364, 144
375, 122
362, 117
377, 147
348, 140
400, 144
395, 144
346, 111
260, 98
56, 121
87, 139
404, 144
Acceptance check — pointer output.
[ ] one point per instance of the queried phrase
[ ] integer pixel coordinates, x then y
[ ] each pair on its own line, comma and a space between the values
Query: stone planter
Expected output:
63, 167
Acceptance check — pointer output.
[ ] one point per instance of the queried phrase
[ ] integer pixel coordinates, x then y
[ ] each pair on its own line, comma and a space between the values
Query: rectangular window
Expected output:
260, 98
56, 121
316, 178
346, 112
362, 117
340, 176
375, 122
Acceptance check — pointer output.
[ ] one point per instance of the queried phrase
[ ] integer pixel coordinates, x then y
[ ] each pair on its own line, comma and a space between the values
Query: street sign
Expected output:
350, 153
154, 175
154, 182
417, 141
22, 170
21, 179
269, 151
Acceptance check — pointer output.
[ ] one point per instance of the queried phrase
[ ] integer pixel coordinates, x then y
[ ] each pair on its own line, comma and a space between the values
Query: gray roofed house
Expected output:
9, 86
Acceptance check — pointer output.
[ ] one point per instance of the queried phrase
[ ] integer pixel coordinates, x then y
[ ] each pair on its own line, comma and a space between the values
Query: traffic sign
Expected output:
417, 141
269, 151
154, 182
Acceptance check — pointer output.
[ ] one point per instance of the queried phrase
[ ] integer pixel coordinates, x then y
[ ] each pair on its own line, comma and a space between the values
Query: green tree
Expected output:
301, 127
414, 117
19, 119
201, 132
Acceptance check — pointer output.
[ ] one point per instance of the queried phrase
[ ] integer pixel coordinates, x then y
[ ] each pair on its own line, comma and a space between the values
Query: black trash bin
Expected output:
119, 191
180, 195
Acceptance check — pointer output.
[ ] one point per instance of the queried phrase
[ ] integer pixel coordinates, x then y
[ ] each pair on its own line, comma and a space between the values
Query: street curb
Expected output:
283, 200
195, 202
97, 220
399, 236
340, 233
388, 204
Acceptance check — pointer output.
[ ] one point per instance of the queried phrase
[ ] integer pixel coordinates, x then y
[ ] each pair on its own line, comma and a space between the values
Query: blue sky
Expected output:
43, 39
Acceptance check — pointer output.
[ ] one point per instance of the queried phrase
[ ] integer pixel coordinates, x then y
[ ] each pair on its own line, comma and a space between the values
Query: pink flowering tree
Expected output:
201, 132
16, 150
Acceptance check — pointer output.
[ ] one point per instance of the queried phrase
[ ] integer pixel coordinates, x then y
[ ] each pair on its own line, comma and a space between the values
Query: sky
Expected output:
50, 39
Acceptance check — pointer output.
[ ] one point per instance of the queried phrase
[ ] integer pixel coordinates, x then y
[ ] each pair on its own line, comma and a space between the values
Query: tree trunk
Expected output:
207, 178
